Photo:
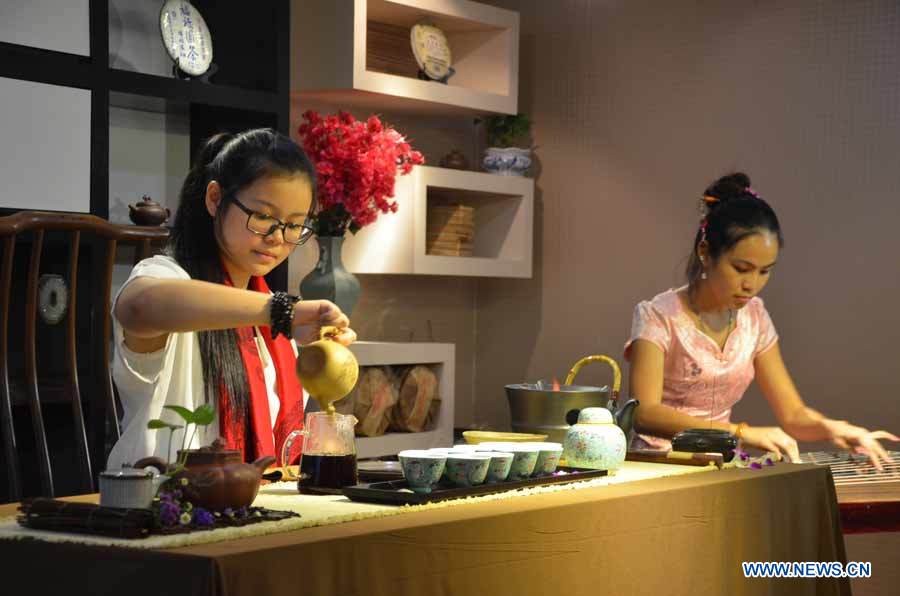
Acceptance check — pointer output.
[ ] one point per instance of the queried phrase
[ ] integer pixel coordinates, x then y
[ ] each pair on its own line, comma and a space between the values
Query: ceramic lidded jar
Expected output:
595, 441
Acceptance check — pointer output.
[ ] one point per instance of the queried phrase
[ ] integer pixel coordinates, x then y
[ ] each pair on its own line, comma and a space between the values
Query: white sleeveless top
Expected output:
172, 375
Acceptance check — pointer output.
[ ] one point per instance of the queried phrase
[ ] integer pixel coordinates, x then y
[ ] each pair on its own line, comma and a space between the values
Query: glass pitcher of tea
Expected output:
328, 458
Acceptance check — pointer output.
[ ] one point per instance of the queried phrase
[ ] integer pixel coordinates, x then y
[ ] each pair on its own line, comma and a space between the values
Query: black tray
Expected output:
395, 492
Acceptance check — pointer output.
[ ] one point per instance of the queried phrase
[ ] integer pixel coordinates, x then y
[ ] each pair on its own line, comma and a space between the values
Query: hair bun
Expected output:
727, 188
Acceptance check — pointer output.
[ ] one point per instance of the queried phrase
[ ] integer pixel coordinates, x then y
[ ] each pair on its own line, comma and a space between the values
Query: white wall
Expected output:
45, 155
134, 40
149, 153
59, 25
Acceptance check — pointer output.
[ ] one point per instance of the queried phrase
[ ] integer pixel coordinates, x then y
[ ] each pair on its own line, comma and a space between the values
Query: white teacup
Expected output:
422, 469
548, 458
467, 469
501, 464
524, 460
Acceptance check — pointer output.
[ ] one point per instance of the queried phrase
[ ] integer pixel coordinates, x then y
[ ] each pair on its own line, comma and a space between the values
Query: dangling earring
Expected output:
703, 264
703, 275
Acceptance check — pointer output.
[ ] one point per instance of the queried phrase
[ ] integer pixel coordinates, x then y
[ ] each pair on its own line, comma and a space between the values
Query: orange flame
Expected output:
555, 384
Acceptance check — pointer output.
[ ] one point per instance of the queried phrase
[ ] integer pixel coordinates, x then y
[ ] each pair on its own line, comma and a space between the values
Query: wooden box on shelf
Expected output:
502, 229
356, 53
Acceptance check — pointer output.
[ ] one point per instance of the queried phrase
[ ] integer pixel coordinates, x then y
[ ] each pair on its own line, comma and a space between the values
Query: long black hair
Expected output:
732, 211
235, 162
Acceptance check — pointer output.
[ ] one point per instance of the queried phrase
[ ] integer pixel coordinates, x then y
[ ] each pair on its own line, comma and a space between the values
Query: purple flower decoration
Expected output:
756, 465
202, 517
229, 512
169, 513
769, 461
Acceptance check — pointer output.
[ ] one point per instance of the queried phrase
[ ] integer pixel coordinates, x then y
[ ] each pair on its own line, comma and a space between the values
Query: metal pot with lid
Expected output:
550, 409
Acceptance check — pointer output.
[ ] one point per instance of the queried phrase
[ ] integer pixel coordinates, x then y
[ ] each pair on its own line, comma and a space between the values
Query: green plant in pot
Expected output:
509, 149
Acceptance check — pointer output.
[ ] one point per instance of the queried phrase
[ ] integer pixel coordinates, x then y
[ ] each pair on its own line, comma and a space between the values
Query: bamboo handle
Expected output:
617, 373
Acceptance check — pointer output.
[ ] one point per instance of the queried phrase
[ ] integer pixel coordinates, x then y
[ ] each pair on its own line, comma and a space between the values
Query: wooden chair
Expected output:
86, 239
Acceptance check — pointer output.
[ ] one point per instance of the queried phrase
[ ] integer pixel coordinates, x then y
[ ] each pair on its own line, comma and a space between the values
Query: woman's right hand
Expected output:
771, 438
311, 315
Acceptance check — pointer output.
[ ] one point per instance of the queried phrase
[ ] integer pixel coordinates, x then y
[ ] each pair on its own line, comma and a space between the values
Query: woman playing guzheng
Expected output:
199, 324
694, 350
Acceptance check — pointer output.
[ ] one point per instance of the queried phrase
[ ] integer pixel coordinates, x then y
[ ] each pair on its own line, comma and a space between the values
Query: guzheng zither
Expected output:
869, 498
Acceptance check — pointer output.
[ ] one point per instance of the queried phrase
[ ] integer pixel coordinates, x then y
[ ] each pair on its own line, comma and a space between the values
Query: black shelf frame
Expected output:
211, 106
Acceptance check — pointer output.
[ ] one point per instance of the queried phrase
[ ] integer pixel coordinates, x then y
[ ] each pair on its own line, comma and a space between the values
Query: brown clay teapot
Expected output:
148, 212
217, 478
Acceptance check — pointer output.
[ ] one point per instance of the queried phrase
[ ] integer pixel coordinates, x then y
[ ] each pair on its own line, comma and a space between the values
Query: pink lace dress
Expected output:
700, 379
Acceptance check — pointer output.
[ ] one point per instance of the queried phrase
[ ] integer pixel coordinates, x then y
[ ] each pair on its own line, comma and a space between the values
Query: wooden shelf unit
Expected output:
396, 242
333, 62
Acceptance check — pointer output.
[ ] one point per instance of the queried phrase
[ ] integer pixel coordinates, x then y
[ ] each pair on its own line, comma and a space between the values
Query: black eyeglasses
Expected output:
265, 225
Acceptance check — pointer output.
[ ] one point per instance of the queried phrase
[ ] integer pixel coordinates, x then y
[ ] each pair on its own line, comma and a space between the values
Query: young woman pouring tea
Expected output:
199, 324
694, 350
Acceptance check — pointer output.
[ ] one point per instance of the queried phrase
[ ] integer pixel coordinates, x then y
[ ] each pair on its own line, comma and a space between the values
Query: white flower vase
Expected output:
507, 161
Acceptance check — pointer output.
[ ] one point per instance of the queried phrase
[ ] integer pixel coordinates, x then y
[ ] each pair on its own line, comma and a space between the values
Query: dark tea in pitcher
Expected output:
327, 471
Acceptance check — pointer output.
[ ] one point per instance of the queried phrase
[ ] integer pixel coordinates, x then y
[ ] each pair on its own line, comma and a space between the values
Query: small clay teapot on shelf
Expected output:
148, 212
217, 477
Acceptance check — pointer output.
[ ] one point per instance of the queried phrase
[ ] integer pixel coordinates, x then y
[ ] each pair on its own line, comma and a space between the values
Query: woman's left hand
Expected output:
861, 440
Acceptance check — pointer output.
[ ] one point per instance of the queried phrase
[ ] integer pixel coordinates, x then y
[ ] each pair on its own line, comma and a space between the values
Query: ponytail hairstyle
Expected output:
732, 210
235, 162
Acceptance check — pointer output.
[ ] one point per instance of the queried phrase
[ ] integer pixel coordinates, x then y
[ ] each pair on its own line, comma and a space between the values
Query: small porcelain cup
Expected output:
467, 469
422, 469
524, 460
501, 464
548, 458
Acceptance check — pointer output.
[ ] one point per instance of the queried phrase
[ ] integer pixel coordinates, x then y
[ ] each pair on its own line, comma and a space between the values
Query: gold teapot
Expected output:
327, 369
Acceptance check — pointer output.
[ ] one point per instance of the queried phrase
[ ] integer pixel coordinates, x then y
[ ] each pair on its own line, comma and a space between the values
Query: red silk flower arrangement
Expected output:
356, 163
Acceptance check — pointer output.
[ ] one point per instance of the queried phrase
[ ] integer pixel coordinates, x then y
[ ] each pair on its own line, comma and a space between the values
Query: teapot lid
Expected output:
595, 416
213, 454
145, 202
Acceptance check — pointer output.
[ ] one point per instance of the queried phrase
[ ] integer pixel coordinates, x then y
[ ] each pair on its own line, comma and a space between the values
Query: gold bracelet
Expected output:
741, 427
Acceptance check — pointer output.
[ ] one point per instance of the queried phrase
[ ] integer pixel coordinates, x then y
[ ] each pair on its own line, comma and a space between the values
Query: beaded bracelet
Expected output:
281, 313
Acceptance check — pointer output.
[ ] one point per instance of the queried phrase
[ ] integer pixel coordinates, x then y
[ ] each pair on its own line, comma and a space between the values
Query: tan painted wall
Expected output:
637, 106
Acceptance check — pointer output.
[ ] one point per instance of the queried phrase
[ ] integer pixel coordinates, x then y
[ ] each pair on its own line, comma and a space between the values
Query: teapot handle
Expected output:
617, 373
285, 450
328, 331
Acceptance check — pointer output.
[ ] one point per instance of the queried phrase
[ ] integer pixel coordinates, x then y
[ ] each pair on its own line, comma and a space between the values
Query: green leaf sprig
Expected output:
202, 416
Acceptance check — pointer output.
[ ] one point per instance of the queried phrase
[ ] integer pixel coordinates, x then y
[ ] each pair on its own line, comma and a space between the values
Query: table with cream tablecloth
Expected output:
650, 529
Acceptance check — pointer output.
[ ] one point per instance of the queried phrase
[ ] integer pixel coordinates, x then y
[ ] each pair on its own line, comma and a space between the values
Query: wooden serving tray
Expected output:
397, 492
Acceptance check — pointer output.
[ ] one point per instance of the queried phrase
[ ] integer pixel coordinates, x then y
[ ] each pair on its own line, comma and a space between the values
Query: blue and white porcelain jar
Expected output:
595, 441
507, 161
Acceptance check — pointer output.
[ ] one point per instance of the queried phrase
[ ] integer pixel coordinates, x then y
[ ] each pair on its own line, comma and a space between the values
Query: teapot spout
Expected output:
625, 415
264, 462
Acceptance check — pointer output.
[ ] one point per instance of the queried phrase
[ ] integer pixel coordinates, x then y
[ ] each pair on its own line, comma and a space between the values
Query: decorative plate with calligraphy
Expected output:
432, 52
186, 36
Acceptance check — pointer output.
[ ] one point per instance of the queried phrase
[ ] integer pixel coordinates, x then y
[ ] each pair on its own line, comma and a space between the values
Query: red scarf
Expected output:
253, 437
